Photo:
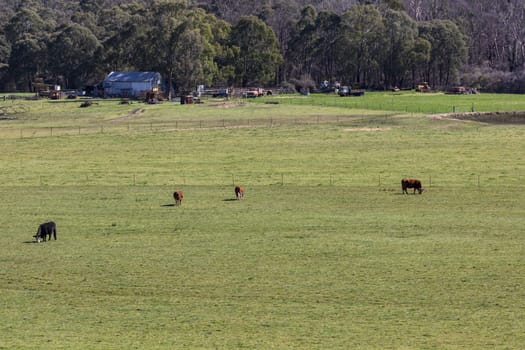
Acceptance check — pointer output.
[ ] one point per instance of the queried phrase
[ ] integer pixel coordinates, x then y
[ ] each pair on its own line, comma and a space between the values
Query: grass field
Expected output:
411, 102
323, 253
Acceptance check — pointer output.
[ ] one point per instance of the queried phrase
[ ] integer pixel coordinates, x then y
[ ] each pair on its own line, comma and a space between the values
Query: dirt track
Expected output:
513, 117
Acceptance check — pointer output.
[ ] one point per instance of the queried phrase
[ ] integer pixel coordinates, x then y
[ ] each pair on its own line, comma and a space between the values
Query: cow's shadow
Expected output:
230, 200
168, 205
29, 242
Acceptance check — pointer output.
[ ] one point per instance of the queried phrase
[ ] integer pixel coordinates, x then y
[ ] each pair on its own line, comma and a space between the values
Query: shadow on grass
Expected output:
168, 205
230, 200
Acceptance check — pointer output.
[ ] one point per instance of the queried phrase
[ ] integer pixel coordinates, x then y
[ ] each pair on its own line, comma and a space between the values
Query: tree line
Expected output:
294, 44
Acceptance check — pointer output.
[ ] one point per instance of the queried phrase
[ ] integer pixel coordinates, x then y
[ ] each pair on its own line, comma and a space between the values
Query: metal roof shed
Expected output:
131, 84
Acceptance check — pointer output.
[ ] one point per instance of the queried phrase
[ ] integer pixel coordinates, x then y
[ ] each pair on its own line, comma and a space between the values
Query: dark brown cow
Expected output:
411, 183
45, 231
239, 192
177, 195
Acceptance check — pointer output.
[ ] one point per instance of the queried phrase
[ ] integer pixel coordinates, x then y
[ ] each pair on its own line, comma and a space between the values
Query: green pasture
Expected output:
414, 102
324, 252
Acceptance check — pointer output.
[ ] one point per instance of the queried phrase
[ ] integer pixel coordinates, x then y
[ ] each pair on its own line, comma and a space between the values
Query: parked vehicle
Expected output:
349, 91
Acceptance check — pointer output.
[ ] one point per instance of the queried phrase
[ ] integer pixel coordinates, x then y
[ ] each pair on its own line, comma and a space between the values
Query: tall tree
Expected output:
362, 44
328, 30
418, 59
280, 15
259, 55
28, 36
300, 55
448, 50
125, 39
73, 50
400, 33
162, 39
197, 49
5, 52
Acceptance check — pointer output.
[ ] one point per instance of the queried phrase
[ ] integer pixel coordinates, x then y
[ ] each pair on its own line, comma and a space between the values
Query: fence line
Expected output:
379, 181
179, 125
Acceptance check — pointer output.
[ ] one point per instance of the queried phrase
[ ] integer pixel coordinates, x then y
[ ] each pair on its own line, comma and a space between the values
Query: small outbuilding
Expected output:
131, 84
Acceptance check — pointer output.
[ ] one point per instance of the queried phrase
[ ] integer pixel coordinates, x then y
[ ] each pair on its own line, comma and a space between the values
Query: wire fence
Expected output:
180, 125
165, 178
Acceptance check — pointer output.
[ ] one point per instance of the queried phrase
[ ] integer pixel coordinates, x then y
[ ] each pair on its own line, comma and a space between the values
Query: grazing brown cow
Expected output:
239, 192
177, 195
411, 183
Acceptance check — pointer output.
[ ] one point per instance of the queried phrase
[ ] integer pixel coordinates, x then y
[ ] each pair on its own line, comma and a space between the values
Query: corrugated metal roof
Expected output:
132, 76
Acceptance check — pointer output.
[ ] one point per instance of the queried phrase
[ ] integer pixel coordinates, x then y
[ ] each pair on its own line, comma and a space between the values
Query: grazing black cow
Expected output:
239, 192
411, 183
45, 230
178, 195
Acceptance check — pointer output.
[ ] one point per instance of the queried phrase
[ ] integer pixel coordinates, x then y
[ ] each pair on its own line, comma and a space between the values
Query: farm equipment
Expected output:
423, 87
153, 96
47, 90
56, 94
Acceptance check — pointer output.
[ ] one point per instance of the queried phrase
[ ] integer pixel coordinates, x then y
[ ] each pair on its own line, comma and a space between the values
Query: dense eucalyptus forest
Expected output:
290, 43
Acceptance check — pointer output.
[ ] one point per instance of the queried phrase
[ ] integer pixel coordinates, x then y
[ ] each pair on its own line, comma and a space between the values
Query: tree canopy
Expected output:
374, 43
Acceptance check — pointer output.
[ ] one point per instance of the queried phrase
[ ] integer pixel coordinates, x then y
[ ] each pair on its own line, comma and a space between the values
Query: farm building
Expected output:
131, 84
